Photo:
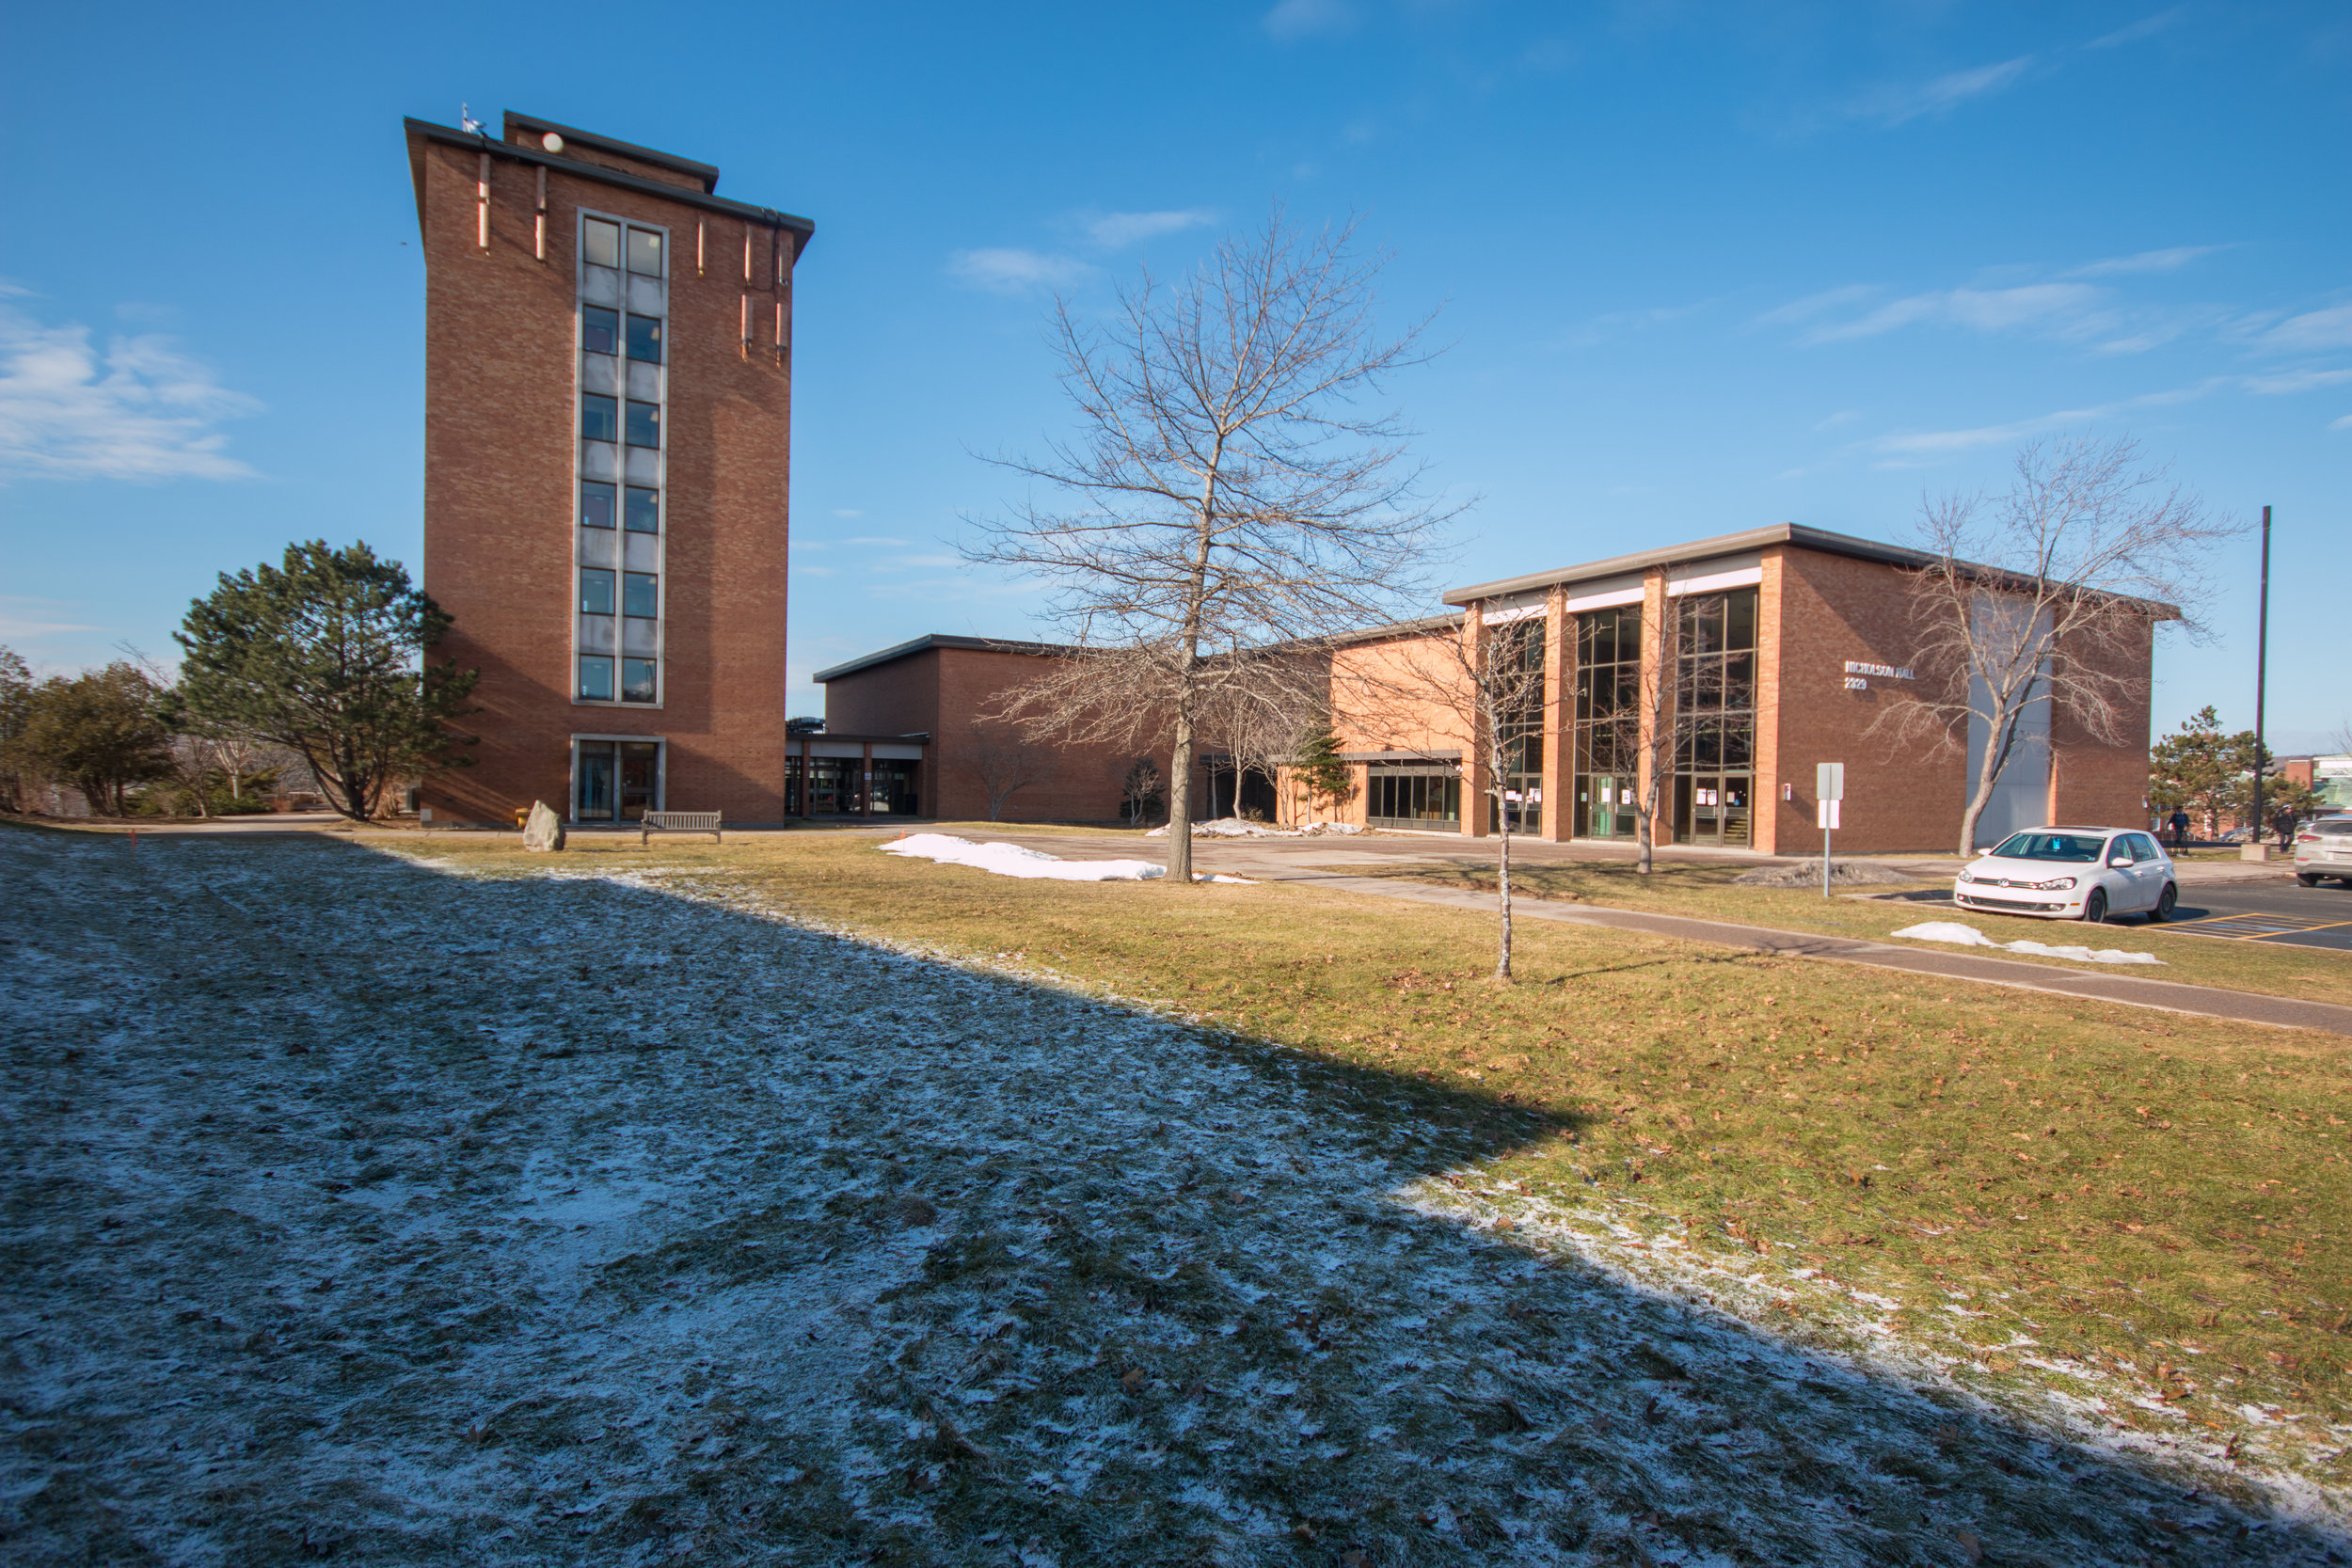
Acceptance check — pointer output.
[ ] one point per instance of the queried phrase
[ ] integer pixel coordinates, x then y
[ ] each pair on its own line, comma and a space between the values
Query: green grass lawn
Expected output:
2040, 1193
1708, 893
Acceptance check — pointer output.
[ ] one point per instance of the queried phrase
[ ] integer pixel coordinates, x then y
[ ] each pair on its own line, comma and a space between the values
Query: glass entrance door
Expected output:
1713, 808
1604, 805
615, 781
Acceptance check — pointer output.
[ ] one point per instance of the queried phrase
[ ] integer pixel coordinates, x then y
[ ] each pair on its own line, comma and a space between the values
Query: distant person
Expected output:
2285, 823
2179, 829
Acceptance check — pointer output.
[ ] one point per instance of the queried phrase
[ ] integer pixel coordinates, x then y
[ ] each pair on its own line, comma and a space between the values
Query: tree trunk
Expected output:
1502, 881
1179, 802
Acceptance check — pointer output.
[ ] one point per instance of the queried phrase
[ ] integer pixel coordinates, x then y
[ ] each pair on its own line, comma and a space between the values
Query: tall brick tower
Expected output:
608, 434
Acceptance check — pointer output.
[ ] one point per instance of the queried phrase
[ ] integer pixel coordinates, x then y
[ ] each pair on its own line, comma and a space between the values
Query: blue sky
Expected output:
1702, 267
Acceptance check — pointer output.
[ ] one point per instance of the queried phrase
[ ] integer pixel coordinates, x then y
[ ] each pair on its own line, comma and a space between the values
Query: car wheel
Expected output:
2308, 881
2095, 907
2165, 900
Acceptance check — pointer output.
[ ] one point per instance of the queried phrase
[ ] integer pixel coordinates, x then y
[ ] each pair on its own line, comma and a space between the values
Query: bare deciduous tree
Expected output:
1003, 762
2041, 599
1228, 491
1488, 678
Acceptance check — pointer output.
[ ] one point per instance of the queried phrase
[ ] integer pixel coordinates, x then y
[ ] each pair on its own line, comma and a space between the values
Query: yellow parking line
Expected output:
2324, 926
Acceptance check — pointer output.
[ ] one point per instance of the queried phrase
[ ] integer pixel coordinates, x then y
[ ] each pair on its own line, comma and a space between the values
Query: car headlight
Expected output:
2056, 884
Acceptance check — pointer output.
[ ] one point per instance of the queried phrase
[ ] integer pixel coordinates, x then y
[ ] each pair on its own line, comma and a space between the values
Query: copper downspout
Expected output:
481, 199
698, 247
540, 243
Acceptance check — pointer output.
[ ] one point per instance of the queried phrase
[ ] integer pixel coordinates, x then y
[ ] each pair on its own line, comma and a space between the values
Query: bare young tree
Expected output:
1228, 490
1003, 762
2044, 599
1488, 677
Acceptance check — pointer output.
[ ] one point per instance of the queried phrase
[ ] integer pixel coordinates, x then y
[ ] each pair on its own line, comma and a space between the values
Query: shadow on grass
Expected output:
362, 1208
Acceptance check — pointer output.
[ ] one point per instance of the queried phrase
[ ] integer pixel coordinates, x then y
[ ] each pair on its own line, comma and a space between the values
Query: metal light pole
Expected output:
2262, 673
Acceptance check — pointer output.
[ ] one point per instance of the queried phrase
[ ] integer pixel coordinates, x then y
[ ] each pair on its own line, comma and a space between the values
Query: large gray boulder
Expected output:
545, 829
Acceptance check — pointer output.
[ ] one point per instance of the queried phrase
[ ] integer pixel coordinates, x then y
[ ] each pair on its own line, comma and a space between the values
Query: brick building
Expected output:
1795, 636
918, 716
607, 420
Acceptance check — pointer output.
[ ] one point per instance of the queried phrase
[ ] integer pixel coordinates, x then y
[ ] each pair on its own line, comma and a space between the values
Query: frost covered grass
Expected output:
1709, 892
633, 1208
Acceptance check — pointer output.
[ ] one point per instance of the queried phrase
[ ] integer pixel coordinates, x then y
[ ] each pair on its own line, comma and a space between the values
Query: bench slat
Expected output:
679, 822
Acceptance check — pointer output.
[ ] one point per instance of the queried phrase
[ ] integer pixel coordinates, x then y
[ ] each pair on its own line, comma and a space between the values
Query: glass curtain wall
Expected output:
1715, 718
1517, 648
1607, 720
1414, 794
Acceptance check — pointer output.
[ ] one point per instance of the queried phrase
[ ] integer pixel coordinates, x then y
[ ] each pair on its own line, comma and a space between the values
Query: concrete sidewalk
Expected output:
1325, 862
2130, 989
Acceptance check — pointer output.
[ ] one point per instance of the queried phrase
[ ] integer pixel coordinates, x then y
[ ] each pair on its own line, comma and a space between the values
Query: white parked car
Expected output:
2324, 848
2071, 874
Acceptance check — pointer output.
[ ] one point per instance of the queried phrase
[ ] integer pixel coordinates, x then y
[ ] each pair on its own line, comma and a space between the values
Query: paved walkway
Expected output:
1325, 862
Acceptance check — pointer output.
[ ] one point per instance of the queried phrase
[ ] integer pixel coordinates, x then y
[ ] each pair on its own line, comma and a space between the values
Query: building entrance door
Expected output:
1713, 808
617, 780
1604, 805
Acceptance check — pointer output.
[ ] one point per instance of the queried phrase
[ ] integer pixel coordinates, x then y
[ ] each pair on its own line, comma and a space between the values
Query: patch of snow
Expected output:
1011, 860
1968, 936
1237, 827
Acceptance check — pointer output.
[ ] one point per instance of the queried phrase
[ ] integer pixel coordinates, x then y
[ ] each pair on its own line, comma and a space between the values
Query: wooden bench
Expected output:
679, 822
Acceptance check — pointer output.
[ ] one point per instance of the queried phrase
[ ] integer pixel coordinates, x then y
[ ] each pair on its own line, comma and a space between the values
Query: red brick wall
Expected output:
1825, 609
501, 422
2104, 784
944, 691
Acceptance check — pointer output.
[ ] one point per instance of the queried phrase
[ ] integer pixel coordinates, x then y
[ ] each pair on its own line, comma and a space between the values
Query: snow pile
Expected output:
323, 1239
1011, 860
1968, 936
1237, 827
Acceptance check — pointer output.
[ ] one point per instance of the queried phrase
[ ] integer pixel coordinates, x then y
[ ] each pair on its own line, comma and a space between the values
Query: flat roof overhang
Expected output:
1796, 534
423, 131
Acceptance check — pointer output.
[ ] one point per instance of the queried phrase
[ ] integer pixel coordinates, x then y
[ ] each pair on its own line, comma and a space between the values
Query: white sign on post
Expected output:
1829, 790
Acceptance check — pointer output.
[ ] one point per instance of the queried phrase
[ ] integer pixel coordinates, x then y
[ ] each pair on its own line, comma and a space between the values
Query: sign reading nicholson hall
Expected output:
1885, 671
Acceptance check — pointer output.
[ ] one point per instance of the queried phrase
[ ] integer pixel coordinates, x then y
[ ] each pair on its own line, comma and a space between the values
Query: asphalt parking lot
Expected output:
2265, 911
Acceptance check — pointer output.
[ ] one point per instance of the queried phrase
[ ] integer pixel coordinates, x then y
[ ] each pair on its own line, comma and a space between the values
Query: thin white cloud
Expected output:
2345, 423
2312, 332
22, 619
1007, 271
2291, 382
1114, 229
2172, 259
847, 512
139, 410
1902, 103
877, 539
1915, 447
919, 563
2147, 26
1291, 20
2069, 309
1815, 303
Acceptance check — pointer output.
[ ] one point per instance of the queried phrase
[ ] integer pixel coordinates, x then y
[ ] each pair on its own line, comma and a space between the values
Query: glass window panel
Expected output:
644, 423
1741, 630
1740, 681
645, 510
645, 339
596, 781
600, 329
595, 679
602, 241
637, 594
645, 252
596, 504
596, 591
599, 416
636, 680
640, 778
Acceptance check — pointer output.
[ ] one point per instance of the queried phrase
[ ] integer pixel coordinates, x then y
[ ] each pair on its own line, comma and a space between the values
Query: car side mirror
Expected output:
2119, 861
1981, 853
